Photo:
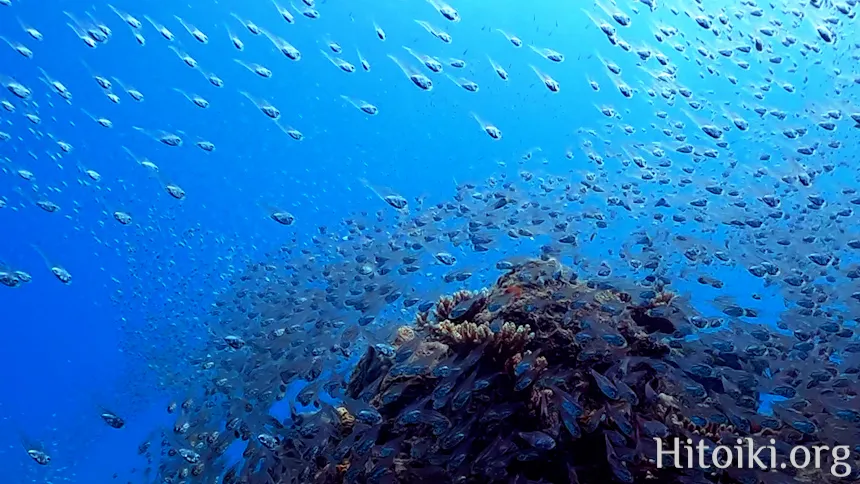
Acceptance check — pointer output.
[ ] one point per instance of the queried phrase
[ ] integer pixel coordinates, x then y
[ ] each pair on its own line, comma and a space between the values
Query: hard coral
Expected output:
404, 335
570, 388
468, 332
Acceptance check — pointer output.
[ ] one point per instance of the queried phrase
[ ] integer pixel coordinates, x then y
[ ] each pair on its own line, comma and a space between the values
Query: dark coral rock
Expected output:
540, 378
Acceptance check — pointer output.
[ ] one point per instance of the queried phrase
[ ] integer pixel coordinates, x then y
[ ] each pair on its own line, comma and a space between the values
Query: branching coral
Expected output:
467, 332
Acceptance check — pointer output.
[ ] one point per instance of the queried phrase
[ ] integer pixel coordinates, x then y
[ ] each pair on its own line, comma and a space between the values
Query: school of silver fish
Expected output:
687, 193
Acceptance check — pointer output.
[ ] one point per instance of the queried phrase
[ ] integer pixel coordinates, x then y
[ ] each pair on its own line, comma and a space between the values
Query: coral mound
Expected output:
541, 378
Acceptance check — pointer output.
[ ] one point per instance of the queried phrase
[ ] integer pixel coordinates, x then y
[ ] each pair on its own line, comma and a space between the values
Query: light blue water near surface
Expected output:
62, 353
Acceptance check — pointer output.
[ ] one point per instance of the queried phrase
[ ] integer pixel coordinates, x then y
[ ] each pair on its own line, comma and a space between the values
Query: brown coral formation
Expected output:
405, 334
542, 378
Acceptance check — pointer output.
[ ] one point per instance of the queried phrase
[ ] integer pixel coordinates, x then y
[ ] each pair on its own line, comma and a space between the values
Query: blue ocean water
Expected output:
70, 351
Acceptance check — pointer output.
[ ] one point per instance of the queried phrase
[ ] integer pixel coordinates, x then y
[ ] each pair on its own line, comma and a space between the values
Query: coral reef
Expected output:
541, 378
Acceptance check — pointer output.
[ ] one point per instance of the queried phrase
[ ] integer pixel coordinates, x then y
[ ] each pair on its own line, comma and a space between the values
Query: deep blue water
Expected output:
64, 352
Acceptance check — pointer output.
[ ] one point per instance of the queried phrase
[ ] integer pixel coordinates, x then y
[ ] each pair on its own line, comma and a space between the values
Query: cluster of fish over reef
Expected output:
540, 378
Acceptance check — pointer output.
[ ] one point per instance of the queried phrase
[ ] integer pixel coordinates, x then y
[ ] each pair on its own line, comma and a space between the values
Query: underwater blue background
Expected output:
65, 351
